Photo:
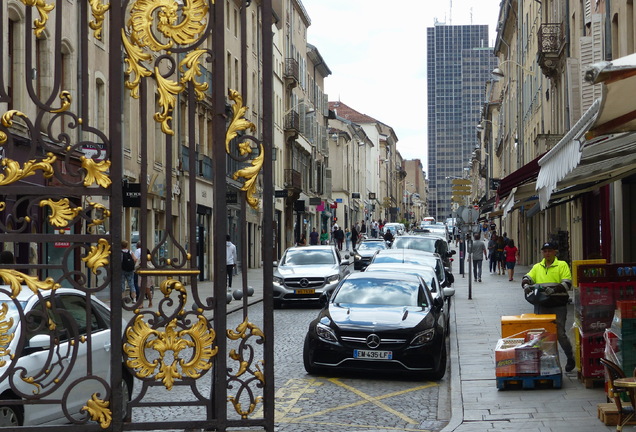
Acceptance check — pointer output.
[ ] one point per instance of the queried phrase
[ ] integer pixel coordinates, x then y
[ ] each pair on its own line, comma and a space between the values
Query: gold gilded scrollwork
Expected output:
98, 256
13, 172
15, 279
200, 338
101, 209
43, 9
95, 172
180, 23
61, 212
66, 99
5, 336
244, 365
237, 124
99, 411
98, 10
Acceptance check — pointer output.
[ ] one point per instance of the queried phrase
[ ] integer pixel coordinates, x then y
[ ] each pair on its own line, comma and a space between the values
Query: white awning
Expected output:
508, 203
618, 107
564, 156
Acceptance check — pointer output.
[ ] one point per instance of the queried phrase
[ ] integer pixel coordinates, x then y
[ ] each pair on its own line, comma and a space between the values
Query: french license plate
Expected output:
373, 355
305, 291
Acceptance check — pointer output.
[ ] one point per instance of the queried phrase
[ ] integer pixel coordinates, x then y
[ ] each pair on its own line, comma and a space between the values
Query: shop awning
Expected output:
599, 148
564, 156
525, 174
618, 110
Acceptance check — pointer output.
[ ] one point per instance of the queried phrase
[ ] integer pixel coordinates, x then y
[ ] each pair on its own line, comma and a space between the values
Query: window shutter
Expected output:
591, 52
574, 89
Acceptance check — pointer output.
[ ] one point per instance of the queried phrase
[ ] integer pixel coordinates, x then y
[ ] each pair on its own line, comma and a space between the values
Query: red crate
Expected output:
591, 367
626, 308
597, 294
592, 319
592, 345
625, 291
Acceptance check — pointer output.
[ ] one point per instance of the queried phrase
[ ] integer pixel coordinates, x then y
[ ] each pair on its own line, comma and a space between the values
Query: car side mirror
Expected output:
452, 252
448, 292
275, 264
42, 341
438, 302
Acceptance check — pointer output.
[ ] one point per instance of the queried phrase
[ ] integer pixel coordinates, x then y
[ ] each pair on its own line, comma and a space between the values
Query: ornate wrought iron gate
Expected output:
95, 96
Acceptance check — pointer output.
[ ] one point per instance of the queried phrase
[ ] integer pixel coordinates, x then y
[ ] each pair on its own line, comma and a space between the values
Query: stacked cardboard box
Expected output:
529, 353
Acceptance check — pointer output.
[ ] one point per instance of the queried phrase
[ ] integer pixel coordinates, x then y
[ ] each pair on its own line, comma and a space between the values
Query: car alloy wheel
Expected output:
10, 416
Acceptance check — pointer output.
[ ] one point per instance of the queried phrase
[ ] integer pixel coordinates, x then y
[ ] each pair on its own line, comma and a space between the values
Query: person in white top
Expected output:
230, 251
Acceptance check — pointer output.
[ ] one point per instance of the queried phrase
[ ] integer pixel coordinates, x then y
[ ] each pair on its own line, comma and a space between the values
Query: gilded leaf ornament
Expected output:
98, 9
13, 172
180, 23
61, 212
98, 256
99, 411
43, 9
239, 123
16, 279
96, 172
140, 336
6, 335
100, 210
66, 99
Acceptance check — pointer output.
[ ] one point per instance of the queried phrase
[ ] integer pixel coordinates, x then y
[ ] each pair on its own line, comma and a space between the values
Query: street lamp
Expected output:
498, 73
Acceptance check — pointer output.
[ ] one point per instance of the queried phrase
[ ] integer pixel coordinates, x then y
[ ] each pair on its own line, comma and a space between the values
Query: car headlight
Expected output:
325, 333
278, 280
333, 278
356, 257
423, 337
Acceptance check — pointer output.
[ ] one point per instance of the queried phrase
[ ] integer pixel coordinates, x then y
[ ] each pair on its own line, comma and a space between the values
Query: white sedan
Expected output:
53, 349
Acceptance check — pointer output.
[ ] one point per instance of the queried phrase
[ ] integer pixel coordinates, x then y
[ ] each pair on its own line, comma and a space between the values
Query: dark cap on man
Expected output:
548, 245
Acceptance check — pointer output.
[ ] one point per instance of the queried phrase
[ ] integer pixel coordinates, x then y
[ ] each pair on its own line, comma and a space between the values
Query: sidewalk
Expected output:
477, 405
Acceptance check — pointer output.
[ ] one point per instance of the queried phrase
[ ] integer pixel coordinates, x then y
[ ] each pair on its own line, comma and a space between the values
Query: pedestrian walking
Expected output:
478, 254
492, 253
128, 270
324, 237
551, 270
231, 260
501, 257
354, 237
348, 238
339, 237
137, 256
512, 256
313, 236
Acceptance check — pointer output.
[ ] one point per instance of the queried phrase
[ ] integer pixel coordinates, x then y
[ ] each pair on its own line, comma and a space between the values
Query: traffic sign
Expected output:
461, 181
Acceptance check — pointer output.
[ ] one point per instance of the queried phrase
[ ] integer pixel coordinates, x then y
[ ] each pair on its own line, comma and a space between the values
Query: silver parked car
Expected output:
305, 272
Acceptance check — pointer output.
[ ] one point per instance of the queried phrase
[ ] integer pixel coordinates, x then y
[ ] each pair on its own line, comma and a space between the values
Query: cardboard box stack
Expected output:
531, 352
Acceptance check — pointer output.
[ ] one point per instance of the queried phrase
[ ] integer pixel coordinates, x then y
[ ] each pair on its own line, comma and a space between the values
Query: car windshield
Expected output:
409, 259
372, 245
374, 291
309, 257
421, 243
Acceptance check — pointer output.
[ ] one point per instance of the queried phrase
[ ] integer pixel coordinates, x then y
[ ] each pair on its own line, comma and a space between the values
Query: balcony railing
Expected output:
551, 48
293, 179
292, 121
292, 71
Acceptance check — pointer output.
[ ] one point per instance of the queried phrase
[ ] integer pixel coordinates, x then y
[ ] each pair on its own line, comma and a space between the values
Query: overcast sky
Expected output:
376, 51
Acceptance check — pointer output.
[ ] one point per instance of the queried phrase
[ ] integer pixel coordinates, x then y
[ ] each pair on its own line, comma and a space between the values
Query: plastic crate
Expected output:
577, 263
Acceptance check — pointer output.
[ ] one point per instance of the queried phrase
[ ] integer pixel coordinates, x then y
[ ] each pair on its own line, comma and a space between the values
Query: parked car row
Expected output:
391, 316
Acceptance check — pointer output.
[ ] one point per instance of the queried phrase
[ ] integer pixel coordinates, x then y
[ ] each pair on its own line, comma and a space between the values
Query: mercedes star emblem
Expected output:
373, 341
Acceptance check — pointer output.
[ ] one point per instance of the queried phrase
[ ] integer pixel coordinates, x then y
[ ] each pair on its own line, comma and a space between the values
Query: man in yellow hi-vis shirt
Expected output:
553, 271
